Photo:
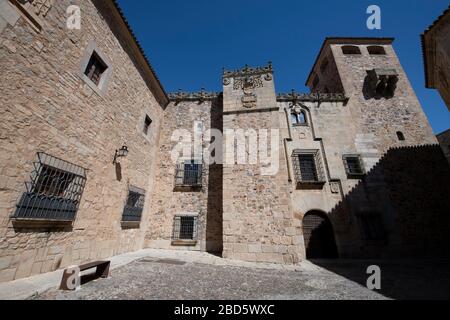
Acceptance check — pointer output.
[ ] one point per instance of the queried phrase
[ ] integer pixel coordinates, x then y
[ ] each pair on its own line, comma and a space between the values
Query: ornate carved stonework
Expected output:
249, 81
42, 7
247, 71
295, 97
192, 96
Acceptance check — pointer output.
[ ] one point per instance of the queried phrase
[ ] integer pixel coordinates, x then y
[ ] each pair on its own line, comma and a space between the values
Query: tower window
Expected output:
308, 168
95, 69
298, 118
188, 174
351, 50
353, 166
376, 50
400, 136
147, 124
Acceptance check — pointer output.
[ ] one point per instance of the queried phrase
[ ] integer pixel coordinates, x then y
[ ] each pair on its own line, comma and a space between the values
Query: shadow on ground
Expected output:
402, 280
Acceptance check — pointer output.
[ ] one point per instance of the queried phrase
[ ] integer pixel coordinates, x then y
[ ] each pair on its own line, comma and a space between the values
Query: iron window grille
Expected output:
53, 192
185, 228
372, 228
354, 166
188, 174
308, 168
134, 206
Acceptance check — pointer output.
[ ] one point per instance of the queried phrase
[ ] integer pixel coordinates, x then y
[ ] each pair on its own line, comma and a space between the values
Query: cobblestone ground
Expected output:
170, 279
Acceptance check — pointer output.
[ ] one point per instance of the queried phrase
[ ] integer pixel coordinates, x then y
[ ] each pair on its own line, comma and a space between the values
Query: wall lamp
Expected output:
121, 153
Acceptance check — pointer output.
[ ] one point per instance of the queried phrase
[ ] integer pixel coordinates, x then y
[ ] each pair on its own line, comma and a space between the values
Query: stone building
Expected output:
436, 54
97, 160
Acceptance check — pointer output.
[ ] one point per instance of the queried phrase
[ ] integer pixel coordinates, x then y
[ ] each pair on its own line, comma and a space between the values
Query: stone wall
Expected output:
169, 201
47, 107
444, 141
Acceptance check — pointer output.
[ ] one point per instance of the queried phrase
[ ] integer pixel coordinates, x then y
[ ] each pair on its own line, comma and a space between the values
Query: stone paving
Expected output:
151, 278
165, 274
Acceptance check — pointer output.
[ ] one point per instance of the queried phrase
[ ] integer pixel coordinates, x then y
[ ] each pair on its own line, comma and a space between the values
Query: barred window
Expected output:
185, 228
134, 205
53, 192
95, 68
308, 167
354, 165
372, 227
188, 173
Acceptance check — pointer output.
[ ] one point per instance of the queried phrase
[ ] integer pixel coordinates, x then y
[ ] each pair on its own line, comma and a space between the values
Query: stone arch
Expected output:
319, 237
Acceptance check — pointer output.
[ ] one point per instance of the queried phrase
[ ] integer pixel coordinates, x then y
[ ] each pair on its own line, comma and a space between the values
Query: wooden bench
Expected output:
102, 271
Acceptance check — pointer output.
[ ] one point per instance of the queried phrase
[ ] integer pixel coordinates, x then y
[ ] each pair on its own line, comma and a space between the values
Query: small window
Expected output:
95, 69
147, 124
185, 228
354, 166
400, 136
54, 191
372, 227
376, 50
308, 167
188, 174
134, 206
351, 50
298, 119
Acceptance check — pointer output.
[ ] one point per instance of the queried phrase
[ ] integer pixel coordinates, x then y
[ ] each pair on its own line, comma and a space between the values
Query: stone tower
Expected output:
257, 220
381, 98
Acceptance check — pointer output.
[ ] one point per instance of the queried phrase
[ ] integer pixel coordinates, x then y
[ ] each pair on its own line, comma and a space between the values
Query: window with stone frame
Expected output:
298, 118
376, 50
351, 50
354, 166
185, 228
188, 174
134, 205
53, 192
147, 124
308, 168
95, 69
372, 228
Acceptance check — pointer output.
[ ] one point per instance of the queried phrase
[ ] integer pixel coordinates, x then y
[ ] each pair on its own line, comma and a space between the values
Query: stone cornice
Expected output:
312, 97
201, 95
248, 71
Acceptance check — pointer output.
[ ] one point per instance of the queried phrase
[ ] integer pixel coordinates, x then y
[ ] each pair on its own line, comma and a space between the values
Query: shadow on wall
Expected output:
214, 218
409, 191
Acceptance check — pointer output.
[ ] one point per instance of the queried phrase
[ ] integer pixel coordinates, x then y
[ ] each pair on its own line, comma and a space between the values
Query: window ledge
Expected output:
40, 223
131, 224
186, 187
189, 243
310, 185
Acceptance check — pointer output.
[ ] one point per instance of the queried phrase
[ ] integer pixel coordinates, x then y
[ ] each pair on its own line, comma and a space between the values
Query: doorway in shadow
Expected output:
319, 236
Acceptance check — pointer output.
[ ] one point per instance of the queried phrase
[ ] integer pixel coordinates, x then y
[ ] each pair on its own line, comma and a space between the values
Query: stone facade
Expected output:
436, 52
48, 107
79, 96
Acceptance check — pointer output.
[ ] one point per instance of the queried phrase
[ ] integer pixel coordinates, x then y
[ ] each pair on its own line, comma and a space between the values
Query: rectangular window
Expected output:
95, 69
188, 173
354, 166
372, 227
54, 191
134, 205
308, 167
185, 228
147, 124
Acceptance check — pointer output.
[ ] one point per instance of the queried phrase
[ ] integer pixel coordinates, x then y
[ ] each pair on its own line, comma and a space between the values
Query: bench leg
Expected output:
103, 271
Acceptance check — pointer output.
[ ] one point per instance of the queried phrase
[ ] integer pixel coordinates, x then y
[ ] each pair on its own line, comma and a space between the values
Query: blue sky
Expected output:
189, 41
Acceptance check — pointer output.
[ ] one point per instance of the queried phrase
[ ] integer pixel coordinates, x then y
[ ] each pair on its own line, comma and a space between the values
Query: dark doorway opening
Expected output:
319, 236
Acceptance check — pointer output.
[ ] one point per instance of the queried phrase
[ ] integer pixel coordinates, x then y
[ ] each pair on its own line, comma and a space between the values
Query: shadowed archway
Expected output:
319, 236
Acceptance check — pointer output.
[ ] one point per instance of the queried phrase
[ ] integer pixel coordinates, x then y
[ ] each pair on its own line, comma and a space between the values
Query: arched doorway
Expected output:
319, 236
